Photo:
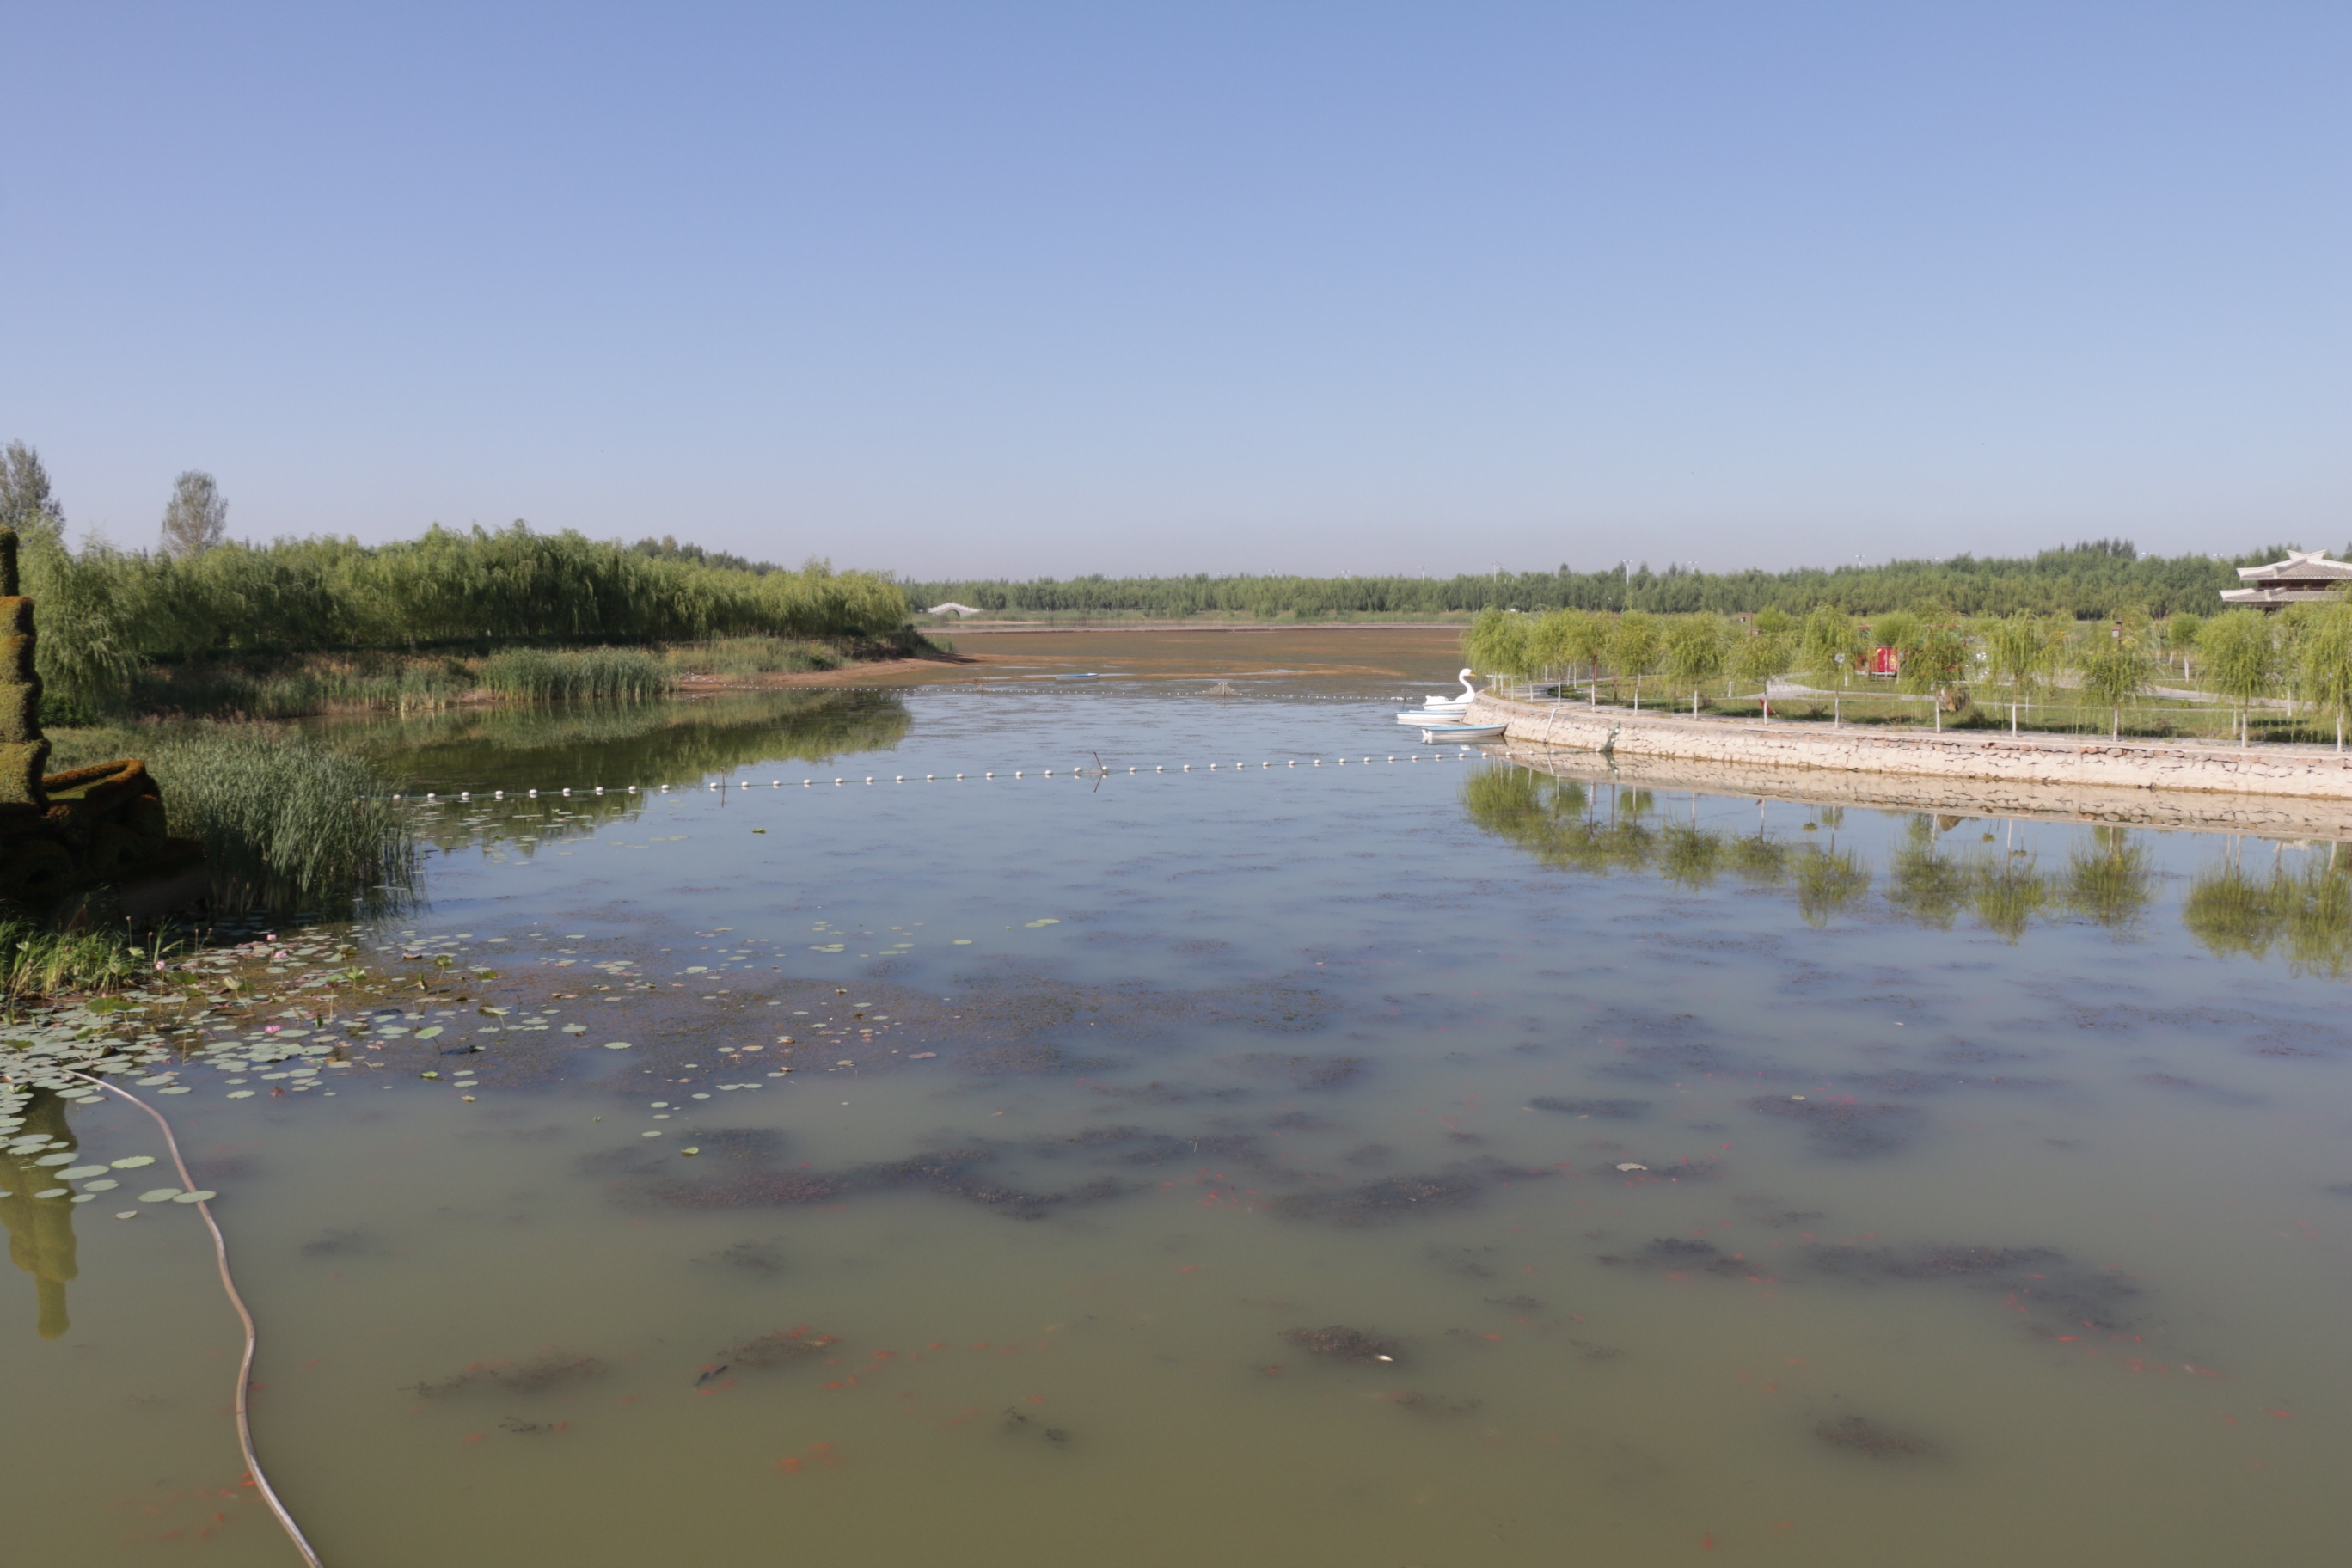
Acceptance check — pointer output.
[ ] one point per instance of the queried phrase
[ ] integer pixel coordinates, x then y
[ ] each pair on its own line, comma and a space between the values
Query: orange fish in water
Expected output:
1706, 1542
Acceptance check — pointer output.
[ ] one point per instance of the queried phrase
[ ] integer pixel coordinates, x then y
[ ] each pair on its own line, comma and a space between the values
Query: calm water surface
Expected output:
1714, 1176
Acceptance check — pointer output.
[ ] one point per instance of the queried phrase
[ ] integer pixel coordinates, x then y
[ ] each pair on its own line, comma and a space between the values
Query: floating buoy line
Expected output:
1093, 775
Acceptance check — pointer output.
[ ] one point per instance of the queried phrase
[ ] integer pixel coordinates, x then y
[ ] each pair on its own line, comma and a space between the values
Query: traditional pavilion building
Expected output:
2304, 577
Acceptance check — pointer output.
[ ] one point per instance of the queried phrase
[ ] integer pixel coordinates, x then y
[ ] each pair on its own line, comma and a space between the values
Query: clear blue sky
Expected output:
1030, 289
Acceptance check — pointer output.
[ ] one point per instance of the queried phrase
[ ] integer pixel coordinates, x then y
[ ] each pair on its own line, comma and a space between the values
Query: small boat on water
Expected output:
1447, 707
1437, 733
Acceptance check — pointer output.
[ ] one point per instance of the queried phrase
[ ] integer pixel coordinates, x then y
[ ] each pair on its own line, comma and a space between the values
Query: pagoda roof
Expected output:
2300, 566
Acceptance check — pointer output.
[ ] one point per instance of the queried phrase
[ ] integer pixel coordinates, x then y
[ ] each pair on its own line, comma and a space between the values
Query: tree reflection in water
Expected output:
2108, 881
2306, 915
40, 1230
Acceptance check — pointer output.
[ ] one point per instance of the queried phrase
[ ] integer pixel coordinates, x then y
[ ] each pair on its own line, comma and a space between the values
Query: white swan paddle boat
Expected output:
1447, 707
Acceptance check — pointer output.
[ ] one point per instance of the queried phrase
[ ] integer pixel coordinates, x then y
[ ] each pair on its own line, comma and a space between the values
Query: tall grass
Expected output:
576, 675
753, 656
38, 961
105, 613
285, 824
399, 685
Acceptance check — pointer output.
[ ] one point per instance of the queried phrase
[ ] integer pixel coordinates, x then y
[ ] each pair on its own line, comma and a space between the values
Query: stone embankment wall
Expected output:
2039, 760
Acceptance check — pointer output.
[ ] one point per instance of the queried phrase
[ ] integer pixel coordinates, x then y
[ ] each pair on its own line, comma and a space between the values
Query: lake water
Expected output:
1395, 1162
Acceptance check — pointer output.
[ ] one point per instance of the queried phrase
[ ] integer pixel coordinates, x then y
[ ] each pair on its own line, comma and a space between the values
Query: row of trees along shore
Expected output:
2299, 661
2097, 580
106, 613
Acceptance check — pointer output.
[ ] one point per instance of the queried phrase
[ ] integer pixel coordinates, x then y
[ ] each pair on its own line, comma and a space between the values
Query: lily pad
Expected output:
133, 1162
240, 1094
99, 1187
428, 1032
81, 1172
201, 1195
160, 1195
616, 1045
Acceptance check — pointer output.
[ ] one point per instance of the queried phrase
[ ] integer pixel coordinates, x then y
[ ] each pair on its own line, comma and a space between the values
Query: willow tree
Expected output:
1583, 636
1763, 653
1563, 639
1934, 652
1831, 647
1497, 643
2180, 634
2113, 668
2020, 652
1698, 648
1634, 644
2323, 674
2240, 651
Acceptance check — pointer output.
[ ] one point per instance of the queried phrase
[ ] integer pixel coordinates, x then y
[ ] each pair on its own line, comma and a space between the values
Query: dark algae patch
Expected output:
1678, 1254
1300, 1072
1598, 1110
1339, 1342
2040, 1282
741, 1178
1861, 1434
1847, 1130
1386, 1200
551, 1370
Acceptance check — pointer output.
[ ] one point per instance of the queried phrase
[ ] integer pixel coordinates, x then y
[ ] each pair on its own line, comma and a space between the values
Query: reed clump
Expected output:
577, 675
286, 823
744, 657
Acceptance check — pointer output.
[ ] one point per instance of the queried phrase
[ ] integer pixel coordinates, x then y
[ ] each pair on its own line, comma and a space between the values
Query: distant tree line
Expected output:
2092, 581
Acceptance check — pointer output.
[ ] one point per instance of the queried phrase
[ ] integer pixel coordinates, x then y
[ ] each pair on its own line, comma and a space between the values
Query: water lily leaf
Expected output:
201, 1195
160, 1195
99, 1187
81, 1172
133, 1162
616, 1045
575, 1028
429, 1032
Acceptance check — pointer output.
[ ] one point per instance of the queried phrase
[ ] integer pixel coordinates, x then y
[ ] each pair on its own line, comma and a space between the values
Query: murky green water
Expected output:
1719, 1176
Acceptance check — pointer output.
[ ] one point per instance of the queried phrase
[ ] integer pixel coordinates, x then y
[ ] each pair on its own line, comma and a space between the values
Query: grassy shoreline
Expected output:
312, 685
